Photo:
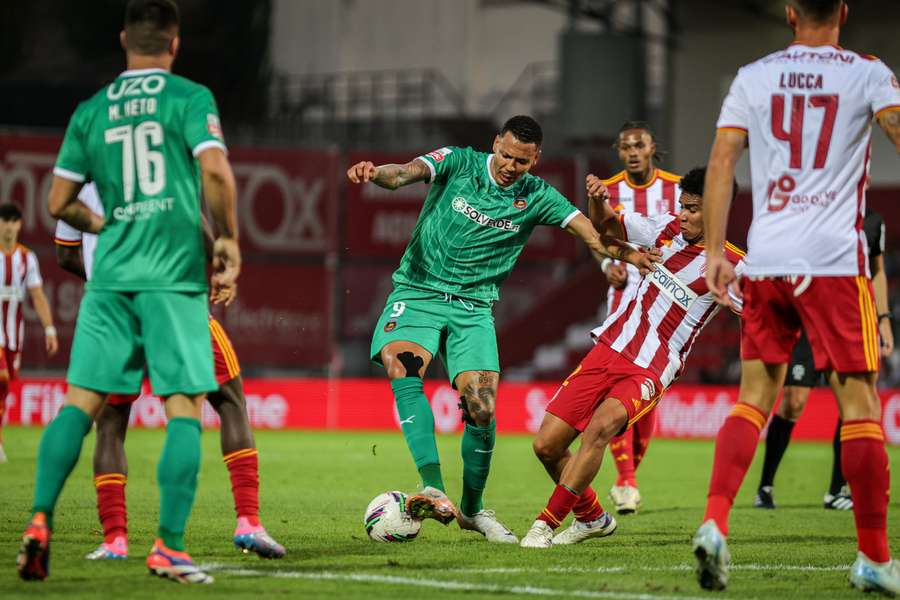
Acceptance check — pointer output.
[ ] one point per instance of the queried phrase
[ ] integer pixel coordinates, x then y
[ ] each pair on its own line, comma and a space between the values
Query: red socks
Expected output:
865, 465
560, 505
735, 446
643, 433
243, 466
563, 501
587, 508
111, 505
623, 453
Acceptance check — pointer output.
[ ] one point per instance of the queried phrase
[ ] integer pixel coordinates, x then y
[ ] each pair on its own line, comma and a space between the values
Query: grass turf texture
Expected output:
315, 486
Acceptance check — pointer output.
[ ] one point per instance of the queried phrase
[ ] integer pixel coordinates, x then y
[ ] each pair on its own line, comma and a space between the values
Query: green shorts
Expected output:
460, 331
118, 333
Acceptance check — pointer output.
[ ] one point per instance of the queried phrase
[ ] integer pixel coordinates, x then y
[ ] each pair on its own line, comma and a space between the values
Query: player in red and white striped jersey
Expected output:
806, 113
19, 276
641, 349
647, 190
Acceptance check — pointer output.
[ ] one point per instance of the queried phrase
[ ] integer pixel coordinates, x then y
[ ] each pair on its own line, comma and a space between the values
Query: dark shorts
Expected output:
802, 369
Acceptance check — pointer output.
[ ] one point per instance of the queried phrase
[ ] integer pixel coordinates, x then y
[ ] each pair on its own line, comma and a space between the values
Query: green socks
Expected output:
177, 478
57, 455
417, 423
477, 449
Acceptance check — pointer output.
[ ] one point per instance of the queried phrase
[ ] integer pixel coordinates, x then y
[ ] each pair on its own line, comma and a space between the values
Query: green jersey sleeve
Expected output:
202, 128
72, 161
443, 163
555, 209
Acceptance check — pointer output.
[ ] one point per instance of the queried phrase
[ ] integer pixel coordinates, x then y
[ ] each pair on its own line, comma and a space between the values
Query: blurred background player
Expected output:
75, 253
641, 350
19, 274
140, 139
643, 188
806, 113
802, 376
479, 212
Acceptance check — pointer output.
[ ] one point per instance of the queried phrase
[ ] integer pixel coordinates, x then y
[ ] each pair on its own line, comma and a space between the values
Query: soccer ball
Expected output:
386, 519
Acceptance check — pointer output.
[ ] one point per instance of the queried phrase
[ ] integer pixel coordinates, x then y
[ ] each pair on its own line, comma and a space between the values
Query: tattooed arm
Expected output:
889, 120
389, 176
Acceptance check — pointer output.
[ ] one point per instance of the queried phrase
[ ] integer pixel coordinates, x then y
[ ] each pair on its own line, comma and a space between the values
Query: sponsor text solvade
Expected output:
461, 206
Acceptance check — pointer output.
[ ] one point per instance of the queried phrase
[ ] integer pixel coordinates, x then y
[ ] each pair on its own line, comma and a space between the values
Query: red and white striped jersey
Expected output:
656, 324
807, 112
658, 196
19, 272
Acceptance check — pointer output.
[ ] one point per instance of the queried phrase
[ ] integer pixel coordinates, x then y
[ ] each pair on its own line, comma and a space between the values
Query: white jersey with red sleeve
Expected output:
66, 235
656, 324
808, 112
19, 272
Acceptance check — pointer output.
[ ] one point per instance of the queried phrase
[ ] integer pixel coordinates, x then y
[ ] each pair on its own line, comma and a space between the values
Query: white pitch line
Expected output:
622, 569
460, 586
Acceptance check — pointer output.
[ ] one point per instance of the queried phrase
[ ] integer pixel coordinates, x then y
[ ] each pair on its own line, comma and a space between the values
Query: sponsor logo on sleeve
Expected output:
390, 326
439, 154
214, 126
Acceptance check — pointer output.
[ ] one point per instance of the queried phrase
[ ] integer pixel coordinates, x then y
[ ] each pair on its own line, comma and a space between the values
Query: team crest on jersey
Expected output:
214, 126
390, 326
439, 154
520, 203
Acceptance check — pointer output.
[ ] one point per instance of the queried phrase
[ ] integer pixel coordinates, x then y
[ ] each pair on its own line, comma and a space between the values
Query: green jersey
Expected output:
137, 139
470, 230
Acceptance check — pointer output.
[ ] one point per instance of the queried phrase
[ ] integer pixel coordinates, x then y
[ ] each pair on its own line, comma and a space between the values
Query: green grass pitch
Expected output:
314, 487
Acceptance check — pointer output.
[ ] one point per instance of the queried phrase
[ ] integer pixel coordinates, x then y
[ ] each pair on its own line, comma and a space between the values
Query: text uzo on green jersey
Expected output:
137, 139
470, 230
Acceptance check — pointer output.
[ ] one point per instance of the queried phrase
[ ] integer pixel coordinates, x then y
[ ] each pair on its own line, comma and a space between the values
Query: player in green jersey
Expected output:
148, 140
479, 212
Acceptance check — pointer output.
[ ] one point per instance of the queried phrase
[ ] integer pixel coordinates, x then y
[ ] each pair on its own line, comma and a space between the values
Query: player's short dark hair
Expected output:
818, 11
150, 25
10, 212
692, 182
644, 126
525, 129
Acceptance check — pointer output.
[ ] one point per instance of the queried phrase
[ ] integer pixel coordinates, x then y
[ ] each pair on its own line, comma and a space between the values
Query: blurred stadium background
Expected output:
307, 87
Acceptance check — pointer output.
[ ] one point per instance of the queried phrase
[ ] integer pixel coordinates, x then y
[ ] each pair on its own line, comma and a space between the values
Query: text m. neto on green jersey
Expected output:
138, 138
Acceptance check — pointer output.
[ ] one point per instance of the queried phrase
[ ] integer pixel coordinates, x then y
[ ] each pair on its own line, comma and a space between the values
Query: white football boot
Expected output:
870, 576
713, 558
577, 532
626, 498
539, 536
485, 522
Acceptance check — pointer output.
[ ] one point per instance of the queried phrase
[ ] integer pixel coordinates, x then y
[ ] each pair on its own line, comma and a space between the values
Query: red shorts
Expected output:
10, 361
604, 373
224, 359
837, 314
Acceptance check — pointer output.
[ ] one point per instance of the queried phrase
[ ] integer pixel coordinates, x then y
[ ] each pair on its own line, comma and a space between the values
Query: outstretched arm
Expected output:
389, 176
889, 120
610, 246
717, 191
